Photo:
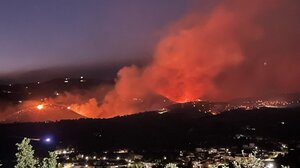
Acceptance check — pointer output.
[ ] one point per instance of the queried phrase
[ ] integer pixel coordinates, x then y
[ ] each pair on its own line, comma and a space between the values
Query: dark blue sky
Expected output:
38, 34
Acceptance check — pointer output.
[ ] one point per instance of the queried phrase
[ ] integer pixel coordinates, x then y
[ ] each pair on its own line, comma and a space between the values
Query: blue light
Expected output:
48, 140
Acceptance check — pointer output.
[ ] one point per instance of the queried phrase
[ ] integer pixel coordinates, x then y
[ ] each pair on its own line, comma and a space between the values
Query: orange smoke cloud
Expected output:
213, 55
129, 95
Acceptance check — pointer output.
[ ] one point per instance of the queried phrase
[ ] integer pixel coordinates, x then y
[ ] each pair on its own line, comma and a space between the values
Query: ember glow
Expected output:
40, 106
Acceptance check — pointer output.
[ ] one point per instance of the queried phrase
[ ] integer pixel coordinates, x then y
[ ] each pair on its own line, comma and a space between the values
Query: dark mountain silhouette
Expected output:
179, 128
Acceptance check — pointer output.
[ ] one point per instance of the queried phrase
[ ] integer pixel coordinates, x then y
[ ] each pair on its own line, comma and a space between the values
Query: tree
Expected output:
25, 158
137, 165
249, 162
171, 165
50, 162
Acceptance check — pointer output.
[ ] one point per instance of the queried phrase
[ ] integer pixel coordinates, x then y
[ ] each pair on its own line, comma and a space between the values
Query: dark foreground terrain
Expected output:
180, 128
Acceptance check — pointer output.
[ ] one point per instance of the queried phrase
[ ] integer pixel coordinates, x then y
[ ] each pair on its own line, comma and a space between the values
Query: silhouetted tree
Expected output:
50, 162
171, 165
25, 158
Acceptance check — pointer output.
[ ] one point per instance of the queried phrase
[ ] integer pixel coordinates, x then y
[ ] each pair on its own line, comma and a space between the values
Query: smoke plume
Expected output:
235, 49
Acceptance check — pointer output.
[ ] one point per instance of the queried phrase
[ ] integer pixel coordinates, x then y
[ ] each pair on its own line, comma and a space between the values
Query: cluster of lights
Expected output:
270, 165
66, 80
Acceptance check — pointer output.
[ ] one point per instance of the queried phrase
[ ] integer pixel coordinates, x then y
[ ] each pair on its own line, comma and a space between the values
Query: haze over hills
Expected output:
59, 94
47, 88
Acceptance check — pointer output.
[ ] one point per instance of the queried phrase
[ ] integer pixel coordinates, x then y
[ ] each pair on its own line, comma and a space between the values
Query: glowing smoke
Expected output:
238, 48
216, 55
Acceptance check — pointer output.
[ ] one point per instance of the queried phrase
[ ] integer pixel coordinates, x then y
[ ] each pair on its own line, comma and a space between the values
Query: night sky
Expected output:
37, 35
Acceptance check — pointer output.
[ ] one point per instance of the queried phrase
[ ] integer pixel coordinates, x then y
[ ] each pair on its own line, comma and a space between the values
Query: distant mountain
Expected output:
39, 90
283, 96
42, 113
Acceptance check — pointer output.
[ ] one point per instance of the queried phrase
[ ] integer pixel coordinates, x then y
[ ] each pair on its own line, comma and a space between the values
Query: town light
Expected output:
270, 165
